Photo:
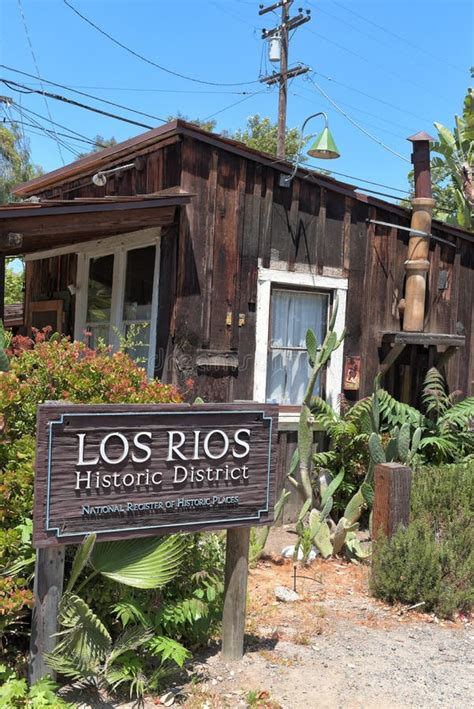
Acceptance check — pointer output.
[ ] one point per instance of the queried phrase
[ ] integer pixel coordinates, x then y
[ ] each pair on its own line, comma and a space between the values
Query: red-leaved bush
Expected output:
50, 369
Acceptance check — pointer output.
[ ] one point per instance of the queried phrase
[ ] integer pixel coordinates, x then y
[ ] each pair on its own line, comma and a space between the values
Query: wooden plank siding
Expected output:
239, 215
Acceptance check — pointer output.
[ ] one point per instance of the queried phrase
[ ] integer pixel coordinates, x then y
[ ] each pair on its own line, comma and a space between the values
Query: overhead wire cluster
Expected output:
28, 118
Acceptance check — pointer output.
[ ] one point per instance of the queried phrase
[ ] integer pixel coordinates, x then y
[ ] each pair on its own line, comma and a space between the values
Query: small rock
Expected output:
167, 699
213, 682
285, 595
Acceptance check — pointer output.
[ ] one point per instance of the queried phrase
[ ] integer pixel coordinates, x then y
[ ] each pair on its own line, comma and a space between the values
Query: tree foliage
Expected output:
13, 285
100, 143
261, 134
15, 161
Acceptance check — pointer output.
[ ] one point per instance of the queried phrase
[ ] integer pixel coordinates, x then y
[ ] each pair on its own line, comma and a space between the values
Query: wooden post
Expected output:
48, 588
391, 498
235, 592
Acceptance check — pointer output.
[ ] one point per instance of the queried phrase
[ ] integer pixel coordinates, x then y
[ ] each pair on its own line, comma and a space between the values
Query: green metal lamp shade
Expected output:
324, 146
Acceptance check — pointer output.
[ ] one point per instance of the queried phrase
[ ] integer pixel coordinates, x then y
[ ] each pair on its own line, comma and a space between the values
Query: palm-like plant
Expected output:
86, 650
457, 150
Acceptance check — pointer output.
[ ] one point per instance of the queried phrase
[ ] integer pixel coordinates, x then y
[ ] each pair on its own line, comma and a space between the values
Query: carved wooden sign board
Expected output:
133, 470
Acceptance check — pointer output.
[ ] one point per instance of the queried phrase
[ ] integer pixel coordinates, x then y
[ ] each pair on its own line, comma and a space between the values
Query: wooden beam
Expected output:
391, 498
391, 357
48, 588
235, 593
443, 357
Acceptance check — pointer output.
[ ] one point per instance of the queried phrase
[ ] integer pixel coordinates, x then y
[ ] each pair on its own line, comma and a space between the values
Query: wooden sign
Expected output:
134, 470
352, 374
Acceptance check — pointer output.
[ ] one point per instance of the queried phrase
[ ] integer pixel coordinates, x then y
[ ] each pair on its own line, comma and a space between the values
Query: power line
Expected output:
50, 133
354, 123
150, 61
372, 63
236, 103
397, 36
60, 125
374, 98
82, 93
64, 135
28, 38
367, 113
57, 97
371, 125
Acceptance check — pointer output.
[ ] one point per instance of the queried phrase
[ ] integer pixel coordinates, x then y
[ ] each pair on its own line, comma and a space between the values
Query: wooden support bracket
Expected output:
393, 354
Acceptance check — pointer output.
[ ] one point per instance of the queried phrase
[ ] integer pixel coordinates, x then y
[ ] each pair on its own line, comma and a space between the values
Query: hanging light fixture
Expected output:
324, 147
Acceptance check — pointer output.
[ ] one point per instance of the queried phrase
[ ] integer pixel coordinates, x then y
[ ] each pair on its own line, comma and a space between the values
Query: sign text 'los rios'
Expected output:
132, 470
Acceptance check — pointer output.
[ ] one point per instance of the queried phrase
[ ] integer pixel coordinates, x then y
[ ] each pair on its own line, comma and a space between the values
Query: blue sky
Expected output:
395, 72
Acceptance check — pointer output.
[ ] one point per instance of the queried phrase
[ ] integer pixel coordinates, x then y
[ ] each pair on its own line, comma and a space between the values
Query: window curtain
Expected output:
292, 313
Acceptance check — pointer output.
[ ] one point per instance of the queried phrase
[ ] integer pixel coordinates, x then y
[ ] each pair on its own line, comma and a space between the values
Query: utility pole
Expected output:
280, 36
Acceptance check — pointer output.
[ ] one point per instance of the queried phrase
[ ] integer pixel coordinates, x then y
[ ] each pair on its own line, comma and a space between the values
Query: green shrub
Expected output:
40, 369
432, 561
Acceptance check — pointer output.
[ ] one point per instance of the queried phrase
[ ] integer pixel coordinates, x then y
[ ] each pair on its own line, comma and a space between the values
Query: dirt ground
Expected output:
335, 646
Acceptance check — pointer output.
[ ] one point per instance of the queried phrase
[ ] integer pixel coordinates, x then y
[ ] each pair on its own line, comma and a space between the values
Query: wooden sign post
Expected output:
122, 471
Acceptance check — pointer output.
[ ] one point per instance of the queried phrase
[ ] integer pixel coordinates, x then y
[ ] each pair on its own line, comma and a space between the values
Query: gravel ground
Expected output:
335, 647
420, 665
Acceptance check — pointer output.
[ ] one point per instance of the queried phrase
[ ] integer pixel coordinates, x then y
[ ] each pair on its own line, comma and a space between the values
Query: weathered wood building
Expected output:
223, 269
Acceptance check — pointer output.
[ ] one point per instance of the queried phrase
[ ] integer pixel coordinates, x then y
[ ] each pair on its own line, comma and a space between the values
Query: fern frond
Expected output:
169, 649
324, 459
319, 407
433, 396
395, 413
460, 415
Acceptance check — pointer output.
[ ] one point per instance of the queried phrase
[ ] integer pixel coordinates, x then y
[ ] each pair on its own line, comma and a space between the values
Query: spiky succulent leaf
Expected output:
322, 540
332, 487
339, 535
80, 560
376, 450
326, 510
295, 461
150, 562
311, 347
314, 522
304, 510
404, 442
328, 347
354, 507
415, 441
368, 494
354, 548
305, 435
391, 452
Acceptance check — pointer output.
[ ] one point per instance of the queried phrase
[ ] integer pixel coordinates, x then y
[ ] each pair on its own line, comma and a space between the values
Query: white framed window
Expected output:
117, 293
288, 303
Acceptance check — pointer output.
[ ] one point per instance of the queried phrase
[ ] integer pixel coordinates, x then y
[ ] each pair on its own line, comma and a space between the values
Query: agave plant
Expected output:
86, 650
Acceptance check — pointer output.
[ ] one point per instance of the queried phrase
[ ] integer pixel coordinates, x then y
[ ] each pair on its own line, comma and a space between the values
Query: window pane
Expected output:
139, 284
99, 296
293, 313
